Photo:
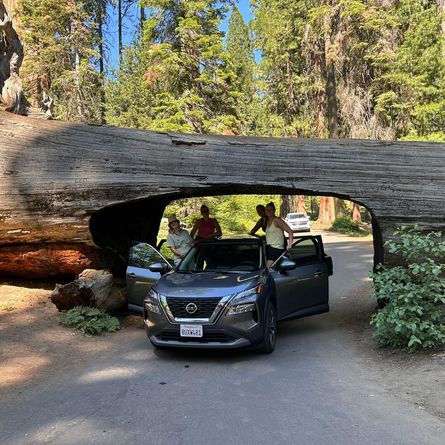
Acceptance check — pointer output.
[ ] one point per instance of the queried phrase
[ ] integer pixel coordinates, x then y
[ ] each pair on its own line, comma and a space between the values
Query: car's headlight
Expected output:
151, 303
153, 295
244, 301
152, 307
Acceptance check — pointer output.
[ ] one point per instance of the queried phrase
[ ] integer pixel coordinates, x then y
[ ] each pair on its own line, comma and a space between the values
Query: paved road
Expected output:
311, 390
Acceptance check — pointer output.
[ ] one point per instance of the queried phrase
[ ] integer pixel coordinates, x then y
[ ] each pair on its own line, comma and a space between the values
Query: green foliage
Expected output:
61, 43
178, 77
410, 72
346, 225
288, 87
236, 214
414, 316
89, 320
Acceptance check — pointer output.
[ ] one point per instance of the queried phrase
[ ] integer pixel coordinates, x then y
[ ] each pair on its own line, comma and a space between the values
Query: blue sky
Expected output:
133, 18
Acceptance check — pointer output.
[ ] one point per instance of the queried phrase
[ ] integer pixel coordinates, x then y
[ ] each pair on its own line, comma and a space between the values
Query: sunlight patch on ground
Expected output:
107, 374
20, 369
56, 432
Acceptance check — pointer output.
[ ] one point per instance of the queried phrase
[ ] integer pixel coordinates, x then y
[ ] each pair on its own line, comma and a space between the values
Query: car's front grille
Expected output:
206, 338
204, 307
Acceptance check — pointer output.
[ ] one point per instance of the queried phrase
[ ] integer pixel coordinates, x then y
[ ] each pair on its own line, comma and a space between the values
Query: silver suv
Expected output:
298, 222
221, 295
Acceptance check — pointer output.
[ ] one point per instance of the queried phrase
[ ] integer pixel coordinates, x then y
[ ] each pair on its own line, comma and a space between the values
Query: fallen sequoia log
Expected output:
98, 189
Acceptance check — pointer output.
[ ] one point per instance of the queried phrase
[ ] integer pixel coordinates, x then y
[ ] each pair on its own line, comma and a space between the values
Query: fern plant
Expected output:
89, 320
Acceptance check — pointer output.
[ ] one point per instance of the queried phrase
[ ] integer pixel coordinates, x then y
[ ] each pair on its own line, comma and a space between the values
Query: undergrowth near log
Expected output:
89, 320
414, 316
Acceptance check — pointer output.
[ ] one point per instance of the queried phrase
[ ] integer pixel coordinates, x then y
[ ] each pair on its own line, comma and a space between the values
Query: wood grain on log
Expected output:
59, 180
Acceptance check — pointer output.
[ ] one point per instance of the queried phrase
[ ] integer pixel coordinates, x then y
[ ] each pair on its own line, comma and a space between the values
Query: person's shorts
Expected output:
273, 253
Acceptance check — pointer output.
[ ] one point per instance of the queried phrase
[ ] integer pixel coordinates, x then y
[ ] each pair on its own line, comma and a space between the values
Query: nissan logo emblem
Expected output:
191, 308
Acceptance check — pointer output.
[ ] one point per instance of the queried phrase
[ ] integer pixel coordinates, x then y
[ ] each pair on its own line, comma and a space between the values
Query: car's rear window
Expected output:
295, 215
242, 257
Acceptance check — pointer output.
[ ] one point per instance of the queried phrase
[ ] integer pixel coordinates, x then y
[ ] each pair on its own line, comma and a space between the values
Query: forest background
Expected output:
299, 68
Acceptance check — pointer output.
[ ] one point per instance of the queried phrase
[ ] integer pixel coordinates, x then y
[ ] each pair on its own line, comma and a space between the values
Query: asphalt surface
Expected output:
311, 390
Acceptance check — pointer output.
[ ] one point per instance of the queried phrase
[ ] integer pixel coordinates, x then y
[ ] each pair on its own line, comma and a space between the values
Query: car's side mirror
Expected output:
286, 264
157, 267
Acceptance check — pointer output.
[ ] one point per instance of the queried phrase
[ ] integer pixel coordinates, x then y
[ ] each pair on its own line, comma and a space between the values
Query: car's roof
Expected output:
233, 240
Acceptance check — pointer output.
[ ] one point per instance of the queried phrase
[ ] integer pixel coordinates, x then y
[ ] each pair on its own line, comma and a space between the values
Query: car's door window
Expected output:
143, 255
304, 251
303, 290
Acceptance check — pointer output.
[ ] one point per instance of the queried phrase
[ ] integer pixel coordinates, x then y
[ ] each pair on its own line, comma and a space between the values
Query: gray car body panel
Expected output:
296, 293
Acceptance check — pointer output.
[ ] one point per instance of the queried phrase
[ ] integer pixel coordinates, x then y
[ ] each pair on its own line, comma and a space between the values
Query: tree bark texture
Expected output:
11, 58
285, 205
355, 213
300, 204
63, 183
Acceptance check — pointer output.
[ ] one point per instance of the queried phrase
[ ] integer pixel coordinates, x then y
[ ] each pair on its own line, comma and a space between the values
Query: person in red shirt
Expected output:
206, 227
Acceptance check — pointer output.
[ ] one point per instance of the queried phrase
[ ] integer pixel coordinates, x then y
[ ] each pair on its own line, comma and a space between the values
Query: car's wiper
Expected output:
225, 271
186, 271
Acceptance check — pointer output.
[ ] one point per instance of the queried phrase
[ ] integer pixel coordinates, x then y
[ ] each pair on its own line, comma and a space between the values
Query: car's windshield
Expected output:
296, 215
221, 256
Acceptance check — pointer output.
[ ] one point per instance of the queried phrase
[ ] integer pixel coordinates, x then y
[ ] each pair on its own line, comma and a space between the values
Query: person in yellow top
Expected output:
275, 229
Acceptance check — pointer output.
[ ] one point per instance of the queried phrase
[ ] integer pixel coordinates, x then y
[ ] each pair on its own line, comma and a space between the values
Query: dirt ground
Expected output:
35, 348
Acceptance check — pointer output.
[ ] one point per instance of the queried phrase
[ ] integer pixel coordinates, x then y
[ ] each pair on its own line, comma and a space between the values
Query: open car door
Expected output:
301, 279
139, 277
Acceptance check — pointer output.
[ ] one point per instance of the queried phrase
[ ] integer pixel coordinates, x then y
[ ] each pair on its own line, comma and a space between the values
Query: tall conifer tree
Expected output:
240, 52
187, 80
61, 43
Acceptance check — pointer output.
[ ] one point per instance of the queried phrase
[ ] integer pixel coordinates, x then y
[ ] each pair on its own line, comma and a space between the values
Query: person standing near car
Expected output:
206, 227
275, 229
262, 222
179, 240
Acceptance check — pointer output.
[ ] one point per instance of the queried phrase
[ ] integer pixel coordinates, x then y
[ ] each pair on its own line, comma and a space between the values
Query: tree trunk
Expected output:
355, 213
328, 206
142, 18
340, 210
285, 206
11, 58
300, 204
327, 210
441, 10
100, 24
119, 29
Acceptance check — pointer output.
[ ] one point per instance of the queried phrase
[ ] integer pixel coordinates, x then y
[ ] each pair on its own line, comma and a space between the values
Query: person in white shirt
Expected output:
178, 240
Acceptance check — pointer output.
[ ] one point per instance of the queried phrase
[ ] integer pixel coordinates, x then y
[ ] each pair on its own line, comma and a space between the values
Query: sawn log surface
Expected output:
55, 175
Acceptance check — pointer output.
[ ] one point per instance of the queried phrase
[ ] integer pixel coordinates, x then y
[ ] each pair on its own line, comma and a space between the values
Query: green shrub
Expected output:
414, 316
348, 226
89, 320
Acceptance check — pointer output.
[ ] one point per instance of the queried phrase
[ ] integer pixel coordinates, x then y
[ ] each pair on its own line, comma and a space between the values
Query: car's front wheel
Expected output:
270, 330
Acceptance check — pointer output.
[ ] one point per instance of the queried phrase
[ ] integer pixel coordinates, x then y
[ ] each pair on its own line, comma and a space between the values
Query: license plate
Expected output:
190, 330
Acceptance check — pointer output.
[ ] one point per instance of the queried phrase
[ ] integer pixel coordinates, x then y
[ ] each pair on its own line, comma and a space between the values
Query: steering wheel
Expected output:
248, 263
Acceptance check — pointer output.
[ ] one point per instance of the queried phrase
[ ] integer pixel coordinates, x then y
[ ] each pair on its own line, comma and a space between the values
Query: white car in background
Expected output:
298, 222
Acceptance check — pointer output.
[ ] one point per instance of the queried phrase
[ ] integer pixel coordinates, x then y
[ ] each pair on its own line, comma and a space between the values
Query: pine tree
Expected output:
410, 84
240, 53
62, 55
187, 82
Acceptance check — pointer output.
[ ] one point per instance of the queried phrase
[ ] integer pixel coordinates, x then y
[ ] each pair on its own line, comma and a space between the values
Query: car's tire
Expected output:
270, 330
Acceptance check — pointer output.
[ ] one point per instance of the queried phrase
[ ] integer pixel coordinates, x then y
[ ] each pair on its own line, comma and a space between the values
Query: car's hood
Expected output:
205, 284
